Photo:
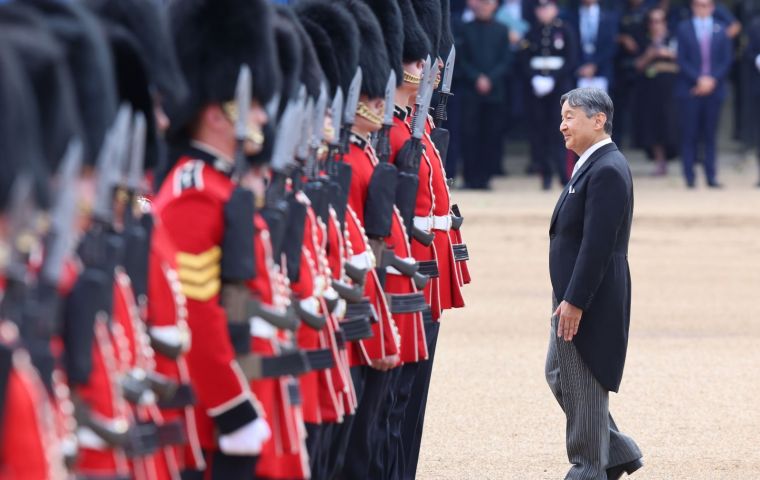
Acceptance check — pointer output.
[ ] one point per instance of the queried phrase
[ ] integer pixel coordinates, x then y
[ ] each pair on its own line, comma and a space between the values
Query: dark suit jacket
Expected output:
690, 58
483, 47
588, 259
606, 42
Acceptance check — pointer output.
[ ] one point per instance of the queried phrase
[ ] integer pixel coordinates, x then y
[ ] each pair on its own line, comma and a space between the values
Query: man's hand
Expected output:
386, 363
569, 320
705, 86
483, 84
628, 43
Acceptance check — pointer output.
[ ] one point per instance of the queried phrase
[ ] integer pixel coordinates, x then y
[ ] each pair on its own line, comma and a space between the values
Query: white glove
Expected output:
246, 440
757, 61
542, 85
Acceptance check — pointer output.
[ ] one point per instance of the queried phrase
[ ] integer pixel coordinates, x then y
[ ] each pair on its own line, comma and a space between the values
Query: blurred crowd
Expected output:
667, 64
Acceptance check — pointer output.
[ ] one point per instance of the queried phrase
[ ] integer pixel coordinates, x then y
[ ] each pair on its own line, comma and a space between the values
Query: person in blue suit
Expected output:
596, 29
704, 59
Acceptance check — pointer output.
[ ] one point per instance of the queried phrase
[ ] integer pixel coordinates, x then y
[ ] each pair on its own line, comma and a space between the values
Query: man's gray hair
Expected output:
592, 101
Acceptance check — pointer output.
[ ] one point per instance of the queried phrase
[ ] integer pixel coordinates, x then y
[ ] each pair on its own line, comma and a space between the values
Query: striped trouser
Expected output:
593, 440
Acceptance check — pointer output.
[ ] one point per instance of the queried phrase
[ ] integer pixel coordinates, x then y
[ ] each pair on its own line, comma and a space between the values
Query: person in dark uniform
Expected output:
483, 60
752, 55
630, 39
549, 57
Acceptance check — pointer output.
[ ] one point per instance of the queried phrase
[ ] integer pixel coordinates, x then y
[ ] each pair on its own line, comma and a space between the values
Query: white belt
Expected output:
442, 222
547, 63
433, 222
392, 270
362, 261
262, 329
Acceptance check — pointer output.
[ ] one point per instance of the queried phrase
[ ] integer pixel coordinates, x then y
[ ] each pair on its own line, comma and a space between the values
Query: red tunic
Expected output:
29, 446
284, 455
448, 281
400, 133
386, 339
167, 313
190, 207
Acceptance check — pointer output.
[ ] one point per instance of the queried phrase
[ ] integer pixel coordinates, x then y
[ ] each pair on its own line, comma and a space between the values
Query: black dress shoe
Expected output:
715, 185
614, 473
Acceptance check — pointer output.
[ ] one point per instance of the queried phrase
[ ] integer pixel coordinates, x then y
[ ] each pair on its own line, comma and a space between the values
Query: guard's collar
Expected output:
210, 156
399, 112
358, 140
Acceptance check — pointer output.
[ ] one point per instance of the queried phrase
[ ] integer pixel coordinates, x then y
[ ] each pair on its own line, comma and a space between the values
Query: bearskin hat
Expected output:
373, 57
447, 38
429, 15
335, 37
91, 67
147, 21
416, 43
312, 75
44, 62
19, 127
290, 55
213, 39
388, 16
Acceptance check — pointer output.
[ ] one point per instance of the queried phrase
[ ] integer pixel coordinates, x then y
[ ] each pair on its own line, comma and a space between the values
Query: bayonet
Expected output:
426, 89
243, 94
443, 98
317, 131
302, 151
383, 145
59, 240
390, 92
137, 154
109, 164
336, 113
448, 71
349, 115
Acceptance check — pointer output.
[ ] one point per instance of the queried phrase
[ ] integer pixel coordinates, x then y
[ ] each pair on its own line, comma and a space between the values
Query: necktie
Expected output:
704, 46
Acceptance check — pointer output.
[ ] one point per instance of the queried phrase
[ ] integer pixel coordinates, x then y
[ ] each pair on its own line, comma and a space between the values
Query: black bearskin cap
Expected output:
416, 43
373, 58
447, 38
213, 39
289, 53
91, 67
133, 84
19, 128
332, 19
388, 15
429, 16
147, 21
44, 63
312, 75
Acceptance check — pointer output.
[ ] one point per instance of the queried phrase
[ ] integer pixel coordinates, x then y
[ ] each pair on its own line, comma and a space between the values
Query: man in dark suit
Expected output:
588, 264
484, 59
596, 29
704, 58
752, 55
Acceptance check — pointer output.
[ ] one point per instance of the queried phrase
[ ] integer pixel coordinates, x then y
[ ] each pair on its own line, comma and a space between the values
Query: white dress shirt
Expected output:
589, 151
589, 25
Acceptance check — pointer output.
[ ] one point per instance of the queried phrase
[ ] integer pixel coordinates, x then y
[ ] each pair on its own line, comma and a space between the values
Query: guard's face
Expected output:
578, 130
547, 13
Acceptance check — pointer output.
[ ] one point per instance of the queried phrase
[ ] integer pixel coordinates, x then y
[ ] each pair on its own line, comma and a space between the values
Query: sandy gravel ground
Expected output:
691, 389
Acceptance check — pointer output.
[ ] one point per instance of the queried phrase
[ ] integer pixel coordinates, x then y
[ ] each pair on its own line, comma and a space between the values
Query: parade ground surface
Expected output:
691, 391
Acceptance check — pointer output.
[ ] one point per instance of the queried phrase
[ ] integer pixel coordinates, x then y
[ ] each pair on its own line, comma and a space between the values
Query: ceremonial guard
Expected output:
226, 237
214, 41
549, 55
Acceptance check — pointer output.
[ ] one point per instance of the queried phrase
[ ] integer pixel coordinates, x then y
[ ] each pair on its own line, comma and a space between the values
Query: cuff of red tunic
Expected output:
236, 417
